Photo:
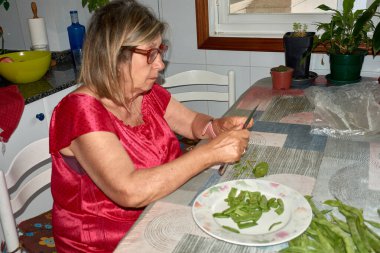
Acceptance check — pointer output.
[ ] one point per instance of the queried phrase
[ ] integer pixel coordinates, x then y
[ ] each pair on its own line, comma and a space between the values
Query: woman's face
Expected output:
143, 74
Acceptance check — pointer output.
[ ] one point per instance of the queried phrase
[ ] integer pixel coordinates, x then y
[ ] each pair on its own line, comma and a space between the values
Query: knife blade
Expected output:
223, 167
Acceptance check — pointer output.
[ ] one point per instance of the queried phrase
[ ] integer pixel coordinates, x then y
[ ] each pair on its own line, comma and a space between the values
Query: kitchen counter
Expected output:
59, 77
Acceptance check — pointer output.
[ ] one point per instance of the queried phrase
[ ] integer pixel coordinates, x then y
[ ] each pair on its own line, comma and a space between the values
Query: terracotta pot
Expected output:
281, 80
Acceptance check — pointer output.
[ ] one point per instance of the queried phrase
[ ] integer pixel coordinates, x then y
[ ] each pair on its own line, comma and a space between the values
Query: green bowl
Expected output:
27, 66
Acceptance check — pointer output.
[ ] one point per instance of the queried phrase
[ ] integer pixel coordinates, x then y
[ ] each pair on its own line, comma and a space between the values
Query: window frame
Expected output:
249, 42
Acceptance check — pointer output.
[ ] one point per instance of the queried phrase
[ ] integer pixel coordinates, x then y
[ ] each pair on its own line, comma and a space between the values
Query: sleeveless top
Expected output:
84, 218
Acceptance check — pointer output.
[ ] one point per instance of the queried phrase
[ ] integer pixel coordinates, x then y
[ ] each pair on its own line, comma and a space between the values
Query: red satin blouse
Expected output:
84, 218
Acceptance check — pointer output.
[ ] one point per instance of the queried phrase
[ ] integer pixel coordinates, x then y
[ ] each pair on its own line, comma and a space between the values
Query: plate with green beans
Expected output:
252, 212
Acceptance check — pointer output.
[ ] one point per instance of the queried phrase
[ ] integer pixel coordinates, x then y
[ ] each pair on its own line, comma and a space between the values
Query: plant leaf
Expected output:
6, 5
84, 3
347, 6
376, 40
325, 7
365, 17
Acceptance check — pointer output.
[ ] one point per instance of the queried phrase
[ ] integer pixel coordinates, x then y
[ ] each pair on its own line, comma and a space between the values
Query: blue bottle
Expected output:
76, 33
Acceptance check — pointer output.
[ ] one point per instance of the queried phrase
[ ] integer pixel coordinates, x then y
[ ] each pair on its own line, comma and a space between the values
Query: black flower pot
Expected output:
298, 52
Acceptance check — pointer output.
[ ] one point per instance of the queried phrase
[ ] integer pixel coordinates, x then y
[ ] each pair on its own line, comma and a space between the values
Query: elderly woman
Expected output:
112, 140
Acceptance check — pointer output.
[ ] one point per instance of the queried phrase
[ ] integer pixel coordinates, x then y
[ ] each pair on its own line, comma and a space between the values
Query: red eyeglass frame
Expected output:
160, 50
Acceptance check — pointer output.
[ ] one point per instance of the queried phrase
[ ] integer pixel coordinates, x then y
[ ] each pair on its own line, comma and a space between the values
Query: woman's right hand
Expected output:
229, 146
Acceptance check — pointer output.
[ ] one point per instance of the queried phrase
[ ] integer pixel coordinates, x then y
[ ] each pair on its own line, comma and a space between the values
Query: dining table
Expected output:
322, 166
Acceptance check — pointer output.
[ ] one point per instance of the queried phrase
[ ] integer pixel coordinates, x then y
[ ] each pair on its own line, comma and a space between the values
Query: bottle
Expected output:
76, 33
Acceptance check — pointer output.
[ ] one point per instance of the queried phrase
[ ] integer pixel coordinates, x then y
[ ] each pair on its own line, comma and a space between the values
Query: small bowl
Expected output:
27, 66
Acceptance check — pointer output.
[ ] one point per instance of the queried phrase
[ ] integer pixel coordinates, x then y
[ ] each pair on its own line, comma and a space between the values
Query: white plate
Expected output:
294, 220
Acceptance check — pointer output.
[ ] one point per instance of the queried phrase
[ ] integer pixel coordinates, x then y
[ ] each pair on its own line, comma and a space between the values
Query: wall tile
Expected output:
180, 15
222, 57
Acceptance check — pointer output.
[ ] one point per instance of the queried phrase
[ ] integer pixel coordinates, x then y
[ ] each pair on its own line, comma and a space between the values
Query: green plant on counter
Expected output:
348, 30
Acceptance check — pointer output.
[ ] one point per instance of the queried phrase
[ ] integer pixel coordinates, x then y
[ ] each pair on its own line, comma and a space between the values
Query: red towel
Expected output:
11, 107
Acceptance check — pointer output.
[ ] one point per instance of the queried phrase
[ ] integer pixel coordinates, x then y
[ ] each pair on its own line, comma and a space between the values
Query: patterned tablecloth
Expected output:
321, 166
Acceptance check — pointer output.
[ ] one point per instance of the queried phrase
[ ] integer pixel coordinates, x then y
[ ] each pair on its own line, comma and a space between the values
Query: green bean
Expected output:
232, 193
243, 225
280, 208
272, 203
373, 233
298, 249
340, 223
355, 235
373, 223
364, 239
325, 244
220, 215
264, 203
349, 244
231, 229
273, 225
345, 209
315, 210
373, 241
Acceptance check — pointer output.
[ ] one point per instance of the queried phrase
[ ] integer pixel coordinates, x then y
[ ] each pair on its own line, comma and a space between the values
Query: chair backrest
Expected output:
22, 168
202, 77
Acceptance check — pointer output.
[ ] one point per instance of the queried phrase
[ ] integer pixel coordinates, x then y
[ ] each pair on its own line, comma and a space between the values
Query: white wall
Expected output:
183, 55
56, 14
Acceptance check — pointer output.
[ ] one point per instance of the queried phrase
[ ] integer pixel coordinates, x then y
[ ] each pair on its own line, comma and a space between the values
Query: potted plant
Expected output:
281, 77
298, 46
346, 40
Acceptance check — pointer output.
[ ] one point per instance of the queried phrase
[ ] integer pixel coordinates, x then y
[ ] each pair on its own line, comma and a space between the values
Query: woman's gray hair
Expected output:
119, 23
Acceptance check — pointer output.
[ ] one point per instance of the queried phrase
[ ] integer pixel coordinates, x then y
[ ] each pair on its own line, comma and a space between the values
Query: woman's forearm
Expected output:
202, 126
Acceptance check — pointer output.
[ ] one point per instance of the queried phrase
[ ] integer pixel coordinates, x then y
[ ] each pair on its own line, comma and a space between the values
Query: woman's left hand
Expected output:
230, 123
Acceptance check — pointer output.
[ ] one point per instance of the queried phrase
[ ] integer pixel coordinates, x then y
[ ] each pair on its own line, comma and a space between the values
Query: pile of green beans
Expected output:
327, 233
247, 207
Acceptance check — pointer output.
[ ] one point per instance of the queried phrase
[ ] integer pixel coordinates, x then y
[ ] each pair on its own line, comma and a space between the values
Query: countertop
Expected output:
58, 77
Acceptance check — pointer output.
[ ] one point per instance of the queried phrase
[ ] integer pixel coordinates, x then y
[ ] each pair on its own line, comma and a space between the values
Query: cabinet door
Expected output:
32, 126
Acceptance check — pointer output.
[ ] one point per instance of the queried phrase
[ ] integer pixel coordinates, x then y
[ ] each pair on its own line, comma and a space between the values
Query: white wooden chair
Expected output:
22, 168
202, 77
189, 80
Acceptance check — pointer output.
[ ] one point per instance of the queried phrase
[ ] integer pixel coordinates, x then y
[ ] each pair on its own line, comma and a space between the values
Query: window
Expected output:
218, 28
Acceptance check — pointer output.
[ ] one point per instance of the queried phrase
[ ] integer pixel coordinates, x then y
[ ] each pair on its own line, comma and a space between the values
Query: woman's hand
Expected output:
228, 146
229, 123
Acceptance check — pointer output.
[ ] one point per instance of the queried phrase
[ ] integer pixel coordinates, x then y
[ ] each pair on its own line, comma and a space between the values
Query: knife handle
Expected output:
222, 169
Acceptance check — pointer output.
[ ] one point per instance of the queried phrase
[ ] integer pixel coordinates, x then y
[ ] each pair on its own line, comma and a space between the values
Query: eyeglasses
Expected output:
150, 54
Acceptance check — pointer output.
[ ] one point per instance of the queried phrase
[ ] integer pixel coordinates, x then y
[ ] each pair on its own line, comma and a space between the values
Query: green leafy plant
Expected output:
299, 30
348, 30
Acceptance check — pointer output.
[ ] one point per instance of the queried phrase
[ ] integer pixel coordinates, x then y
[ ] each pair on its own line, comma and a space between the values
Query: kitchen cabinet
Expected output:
32, 126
